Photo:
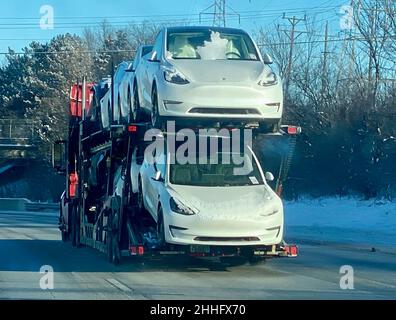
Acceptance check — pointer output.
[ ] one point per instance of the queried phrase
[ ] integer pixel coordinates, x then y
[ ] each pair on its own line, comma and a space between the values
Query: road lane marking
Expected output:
378, 283
119, 285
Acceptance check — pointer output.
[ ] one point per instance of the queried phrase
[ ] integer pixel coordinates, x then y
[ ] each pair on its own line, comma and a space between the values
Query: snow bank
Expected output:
346, 220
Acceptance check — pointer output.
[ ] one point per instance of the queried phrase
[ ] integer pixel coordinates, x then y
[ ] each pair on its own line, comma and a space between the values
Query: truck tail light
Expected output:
291, 250
136, 250
73, 183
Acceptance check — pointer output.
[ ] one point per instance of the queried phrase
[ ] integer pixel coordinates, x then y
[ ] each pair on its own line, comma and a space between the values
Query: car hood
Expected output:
231, 202
220, 71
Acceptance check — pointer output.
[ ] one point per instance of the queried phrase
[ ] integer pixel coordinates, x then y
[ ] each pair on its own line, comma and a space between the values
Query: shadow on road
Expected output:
30, 255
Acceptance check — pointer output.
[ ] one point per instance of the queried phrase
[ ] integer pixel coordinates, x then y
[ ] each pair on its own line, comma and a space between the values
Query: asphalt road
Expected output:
31, 240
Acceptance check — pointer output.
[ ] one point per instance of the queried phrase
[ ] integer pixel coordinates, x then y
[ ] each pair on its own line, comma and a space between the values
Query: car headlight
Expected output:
269, 79
174, 76
178, 207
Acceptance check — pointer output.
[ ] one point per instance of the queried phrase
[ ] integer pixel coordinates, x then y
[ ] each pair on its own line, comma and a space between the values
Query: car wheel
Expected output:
119, 109
156, 119
161, 228
140, 202
136, 105
131, 117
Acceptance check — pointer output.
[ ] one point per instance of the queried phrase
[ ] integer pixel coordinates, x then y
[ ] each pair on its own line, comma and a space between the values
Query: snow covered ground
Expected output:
342, 220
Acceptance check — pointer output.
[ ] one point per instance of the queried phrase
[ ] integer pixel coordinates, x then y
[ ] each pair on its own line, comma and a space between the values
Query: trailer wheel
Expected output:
113, 246
75, 227
65, 235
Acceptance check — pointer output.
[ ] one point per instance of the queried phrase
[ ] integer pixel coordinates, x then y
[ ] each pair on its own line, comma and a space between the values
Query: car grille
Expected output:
237, 111
226, 239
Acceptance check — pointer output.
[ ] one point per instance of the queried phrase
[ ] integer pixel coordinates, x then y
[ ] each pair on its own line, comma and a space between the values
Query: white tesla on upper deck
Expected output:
208, 73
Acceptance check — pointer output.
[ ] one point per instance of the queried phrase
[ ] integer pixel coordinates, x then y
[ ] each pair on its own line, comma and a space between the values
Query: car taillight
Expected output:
73, 183
292, 130
132, 129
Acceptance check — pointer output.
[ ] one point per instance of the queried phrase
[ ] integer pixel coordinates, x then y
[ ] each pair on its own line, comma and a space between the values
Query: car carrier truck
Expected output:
99, 207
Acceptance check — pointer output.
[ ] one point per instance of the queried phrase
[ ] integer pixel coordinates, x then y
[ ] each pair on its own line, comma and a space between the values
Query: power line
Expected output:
294, 10
83, 24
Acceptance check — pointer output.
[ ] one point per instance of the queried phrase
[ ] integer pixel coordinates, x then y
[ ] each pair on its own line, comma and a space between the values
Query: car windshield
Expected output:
223, 174
211, 45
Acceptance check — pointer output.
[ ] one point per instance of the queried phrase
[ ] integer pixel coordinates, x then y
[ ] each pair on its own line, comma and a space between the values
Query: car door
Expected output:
120, 73
158, 187
147, 172
154, 188
152, 66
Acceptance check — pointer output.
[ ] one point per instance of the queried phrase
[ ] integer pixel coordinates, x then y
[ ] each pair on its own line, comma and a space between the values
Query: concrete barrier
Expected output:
13, 204
21, 204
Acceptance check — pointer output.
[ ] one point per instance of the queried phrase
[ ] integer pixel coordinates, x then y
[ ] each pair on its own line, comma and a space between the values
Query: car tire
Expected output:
65, 235
156, 119
136, 110
161, 228
119, 107
139, 197
131, 117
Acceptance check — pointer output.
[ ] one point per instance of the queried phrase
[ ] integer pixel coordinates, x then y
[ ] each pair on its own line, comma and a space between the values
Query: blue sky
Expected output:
19, 19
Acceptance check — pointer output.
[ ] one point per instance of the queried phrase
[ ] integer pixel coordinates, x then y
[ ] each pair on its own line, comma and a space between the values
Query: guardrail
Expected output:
17, 130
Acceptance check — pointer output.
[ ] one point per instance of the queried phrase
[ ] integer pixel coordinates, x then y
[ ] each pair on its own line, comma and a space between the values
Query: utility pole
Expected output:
372, 88
219, 12
325, 53
292, 34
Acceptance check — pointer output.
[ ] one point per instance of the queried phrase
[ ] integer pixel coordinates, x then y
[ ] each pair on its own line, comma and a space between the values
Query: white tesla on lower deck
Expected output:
211, 204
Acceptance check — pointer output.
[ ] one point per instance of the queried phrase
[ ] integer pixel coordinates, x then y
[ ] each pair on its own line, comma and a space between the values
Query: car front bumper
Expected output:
215, 101
221, 231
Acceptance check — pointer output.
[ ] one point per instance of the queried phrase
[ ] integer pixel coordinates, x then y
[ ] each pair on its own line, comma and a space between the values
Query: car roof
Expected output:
204, 28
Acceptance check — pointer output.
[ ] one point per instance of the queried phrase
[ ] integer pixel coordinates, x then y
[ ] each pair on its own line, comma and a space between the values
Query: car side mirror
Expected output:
267, 59
154, 57
157, 177
269, 176
59, 156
